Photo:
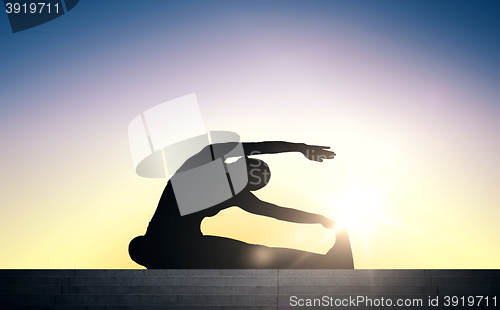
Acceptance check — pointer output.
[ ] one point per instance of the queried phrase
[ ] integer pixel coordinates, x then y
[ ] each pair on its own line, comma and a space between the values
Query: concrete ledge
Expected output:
176, 272
358, 290
467, 290
36, 272
174, 281
224, 290
351, 273
22, 280
167, 307
466, 281
30, 289
230, 289
354, 281
165, 300
463, 273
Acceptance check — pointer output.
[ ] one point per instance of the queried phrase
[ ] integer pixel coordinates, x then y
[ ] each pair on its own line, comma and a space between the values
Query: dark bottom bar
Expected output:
249, 289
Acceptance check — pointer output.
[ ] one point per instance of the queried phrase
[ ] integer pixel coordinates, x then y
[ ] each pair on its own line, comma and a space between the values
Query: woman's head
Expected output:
258, 174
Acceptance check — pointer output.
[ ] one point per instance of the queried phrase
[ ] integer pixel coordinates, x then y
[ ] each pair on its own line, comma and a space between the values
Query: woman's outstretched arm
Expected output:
254, 205
313, 152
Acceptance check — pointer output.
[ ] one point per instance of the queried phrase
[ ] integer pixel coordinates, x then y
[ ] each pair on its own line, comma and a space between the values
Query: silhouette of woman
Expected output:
175, 241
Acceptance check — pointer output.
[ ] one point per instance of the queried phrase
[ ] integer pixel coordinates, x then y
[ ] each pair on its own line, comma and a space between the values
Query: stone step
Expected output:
26, 299
249, 280
36, 273
30, 289
158, 300
248, 272
167, 307
353, 281
236, 290
389, 273
24, 307
137, 272
468, 290
331, 290
468, 281
174, 281
351, 273
95, 290
464, 273
176, 272
229, 288
42, 280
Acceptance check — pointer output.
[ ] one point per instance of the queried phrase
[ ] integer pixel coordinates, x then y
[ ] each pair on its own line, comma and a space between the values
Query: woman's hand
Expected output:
316, 152
329, 224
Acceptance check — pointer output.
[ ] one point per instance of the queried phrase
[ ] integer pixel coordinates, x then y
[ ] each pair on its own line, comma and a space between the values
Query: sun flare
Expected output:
360, 209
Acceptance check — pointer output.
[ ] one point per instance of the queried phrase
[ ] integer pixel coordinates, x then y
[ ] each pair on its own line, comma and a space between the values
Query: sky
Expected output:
405, 93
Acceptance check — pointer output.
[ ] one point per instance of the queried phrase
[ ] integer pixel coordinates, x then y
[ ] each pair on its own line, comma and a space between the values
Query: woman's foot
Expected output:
341, 253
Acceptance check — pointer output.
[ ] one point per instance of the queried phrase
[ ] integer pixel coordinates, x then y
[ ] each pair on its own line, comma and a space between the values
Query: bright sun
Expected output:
360, 209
